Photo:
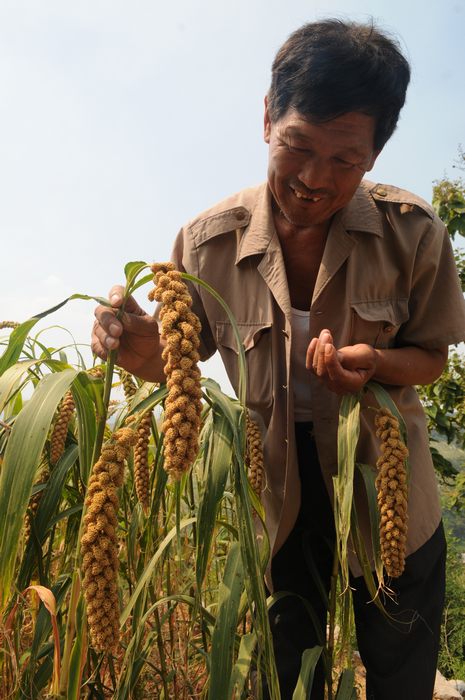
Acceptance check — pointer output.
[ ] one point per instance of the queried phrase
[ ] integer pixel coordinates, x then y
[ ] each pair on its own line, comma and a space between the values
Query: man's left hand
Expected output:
344, 371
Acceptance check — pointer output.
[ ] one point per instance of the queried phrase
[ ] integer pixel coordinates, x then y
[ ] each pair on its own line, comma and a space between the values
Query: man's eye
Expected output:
344, 163
296, 149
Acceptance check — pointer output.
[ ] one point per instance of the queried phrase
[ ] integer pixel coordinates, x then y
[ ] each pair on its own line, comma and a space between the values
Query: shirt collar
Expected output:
361, 214
260, 232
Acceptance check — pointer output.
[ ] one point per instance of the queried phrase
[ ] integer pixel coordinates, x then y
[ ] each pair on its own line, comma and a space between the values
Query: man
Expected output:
333, 281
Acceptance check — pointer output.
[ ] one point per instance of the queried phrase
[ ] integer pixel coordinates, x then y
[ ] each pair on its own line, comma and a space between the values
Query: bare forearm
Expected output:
409, 366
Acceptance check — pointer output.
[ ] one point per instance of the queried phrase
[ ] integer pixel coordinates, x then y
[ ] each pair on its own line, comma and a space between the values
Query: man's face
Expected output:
315, 169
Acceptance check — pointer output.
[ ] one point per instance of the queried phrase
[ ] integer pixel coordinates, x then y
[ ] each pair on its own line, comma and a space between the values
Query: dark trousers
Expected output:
400, 658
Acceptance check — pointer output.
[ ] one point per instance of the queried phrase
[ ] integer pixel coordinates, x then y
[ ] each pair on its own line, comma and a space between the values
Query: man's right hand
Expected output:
134, 336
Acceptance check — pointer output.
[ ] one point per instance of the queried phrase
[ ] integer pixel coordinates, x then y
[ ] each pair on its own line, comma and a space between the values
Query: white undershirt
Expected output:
300, 375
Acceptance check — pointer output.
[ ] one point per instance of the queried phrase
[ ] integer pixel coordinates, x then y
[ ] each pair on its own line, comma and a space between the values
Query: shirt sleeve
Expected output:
185, 261
436, 304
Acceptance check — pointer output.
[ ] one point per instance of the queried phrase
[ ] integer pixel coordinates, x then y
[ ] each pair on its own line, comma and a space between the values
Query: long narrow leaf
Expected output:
149, 569
77, 654
86, 424
242, 666
45, 516
347, 438
223, 639
369, 476
346, 688
19, 335
10, 380
219, 462
307, 671
22, 456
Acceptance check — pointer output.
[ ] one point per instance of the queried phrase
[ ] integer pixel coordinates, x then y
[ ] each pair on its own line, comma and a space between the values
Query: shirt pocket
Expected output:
256, 339
377, 322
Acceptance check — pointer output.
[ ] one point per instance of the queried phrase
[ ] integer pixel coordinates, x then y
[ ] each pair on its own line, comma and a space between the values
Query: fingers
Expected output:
107, 328
122, 326
310, 353
102, 341
315, 358
116, 295
332, 363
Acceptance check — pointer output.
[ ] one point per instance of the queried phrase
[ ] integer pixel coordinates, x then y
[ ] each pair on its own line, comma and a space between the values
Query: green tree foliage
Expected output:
444, 403
449, 202
444, 400
451, 660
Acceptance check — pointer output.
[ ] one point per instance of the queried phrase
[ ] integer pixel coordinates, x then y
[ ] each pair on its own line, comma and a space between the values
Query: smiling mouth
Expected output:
308, 198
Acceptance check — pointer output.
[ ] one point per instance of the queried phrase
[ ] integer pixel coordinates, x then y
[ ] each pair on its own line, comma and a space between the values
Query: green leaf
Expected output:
346, 687
307, 671
369, 478
22, 456
19, 335
45, 516
365, 565
79, 648
141, 282
11, 379
347, 439
15, 345
83, 394
131, 270
224, 633
242, 666
218, 465
384, 399
150, 568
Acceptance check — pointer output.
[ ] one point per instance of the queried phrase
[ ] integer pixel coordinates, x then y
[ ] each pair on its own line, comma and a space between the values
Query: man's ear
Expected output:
373, 160
266, 122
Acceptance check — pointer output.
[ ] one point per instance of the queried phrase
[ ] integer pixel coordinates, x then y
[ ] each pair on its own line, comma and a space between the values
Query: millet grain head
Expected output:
99, 544
392, 488
180, 329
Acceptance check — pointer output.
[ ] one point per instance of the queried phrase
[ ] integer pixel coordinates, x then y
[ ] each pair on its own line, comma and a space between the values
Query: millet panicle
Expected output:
254, 455
180, 329
141, 466
129, 385
392, 488
60, 429
99, 544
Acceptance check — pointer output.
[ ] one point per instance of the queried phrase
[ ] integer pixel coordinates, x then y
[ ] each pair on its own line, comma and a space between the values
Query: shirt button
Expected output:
381, 192
240, 215
388, 328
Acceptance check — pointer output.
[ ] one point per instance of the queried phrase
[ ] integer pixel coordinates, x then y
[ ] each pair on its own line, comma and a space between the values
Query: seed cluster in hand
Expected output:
60, 429
254, 455
392, 488
99, 542
180, 328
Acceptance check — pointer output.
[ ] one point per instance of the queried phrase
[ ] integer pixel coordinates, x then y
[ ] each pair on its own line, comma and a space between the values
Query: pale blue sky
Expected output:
121, 120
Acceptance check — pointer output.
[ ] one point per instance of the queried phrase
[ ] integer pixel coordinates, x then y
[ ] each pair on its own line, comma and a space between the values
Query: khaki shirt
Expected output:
387, 278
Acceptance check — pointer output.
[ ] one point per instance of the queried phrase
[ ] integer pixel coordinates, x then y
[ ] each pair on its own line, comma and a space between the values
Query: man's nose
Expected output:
315, 173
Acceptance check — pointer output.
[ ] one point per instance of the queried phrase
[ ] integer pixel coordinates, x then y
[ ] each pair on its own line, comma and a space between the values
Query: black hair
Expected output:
331, 67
